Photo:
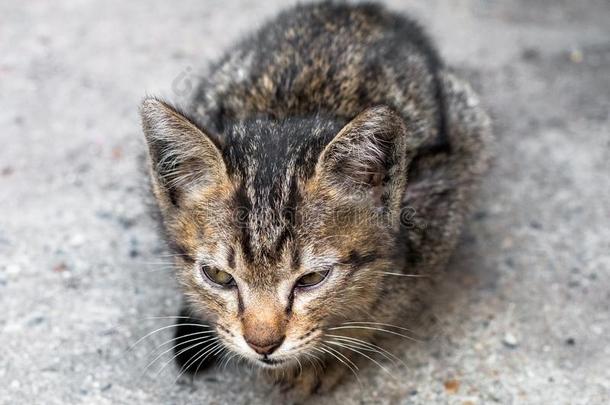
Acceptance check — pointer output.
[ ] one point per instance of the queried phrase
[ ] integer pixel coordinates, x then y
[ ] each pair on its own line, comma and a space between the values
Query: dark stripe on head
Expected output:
231, 258
243, 207
296, 258
357, 260
180, 251
288, 215
240, 304
281, 241
290, 302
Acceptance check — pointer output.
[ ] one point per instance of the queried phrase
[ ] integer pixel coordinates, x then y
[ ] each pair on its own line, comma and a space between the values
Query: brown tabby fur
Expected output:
333, 139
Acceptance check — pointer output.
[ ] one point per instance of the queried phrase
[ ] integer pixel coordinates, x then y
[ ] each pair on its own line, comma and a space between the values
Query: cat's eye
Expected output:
313, 278
218, 276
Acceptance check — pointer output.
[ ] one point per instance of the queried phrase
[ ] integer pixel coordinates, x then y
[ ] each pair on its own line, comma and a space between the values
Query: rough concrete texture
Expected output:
522, 316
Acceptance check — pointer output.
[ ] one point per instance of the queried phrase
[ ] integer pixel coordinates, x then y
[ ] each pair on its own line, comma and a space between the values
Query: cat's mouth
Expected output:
272, 362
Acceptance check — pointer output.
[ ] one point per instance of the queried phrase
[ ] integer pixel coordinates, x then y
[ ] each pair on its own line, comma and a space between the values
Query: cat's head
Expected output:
281, 229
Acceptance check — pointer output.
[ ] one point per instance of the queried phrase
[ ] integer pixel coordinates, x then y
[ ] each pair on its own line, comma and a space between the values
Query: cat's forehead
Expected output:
268, 161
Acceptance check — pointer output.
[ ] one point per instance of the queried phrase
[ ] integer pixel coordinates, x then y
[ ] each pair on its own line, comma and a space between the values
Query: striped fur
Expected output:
301, 152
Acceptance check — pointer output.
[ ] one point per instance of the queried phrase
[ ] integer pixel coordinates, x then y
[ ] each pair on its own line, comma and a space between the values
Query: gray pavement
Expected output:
521, 317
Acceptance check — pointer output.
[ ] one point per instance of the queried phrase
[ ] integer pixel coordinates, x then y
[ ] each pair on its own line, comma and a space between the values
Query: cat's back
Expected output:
326, 58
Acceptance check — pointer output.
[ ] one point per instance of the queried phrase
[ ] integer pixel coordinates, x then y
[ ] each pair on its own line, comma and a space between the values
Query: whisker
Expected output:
173, 255
202, 360
223, 360
201, 339
169, 263
313, 360
209, 346
326, 349
378, 324
342, 355
389, 273
326, 352
364, 355
371, 347
183, 351
312, 364
160, 329
228, 358
349, 361
217, 348
207, 332
376, 329
299, 363
170, 317
158, 270
362, 347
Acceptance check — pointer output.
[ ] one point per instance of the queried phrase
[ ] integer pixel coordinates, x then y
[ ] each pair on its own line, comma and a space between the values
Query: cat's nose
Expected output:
265, 348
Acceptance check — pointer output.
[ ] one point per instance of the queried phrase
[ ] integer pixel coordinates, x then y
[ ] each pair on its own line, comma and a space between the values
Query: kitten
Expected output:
321, 158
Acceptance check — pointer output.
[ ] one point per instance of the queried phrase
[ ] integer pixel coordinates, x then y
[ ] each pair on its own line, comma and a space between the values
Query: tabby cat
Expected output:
320, 159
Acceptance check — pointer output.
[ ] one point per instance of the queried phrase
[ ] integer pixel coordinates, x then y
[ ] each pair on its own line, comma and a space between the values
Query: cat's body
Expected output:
333, 60
337, 152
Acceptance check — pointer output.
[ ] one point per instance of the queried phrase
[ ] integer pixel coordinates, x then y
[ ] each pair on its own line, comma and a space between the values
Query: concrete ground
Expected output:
522, 316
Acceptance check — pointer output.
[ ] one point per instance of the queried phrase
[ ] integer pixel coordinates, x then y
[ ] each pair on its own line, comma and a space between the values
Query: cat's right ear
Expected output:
183, 158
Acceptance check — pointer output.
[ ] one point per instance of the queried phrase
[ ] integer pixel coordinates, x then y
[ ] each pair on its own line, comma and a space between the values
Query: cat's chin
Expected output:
272, 364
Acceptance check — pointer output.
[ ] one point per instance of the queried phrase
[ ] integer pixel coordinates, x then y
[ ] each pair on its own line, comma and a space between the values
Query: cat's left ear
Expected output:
183, 157
368, 158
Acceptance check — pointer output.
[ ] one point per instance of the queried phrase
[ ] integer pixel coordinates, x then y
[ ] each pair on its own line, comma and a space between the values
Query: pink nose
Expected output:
265, 348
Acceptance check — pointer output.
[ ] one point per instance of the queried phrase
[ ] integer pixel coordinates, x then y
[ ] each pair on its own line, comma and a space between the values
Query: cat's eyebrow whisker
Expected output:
163, 264
173, 255
157, 265
345, 346
169, 263
376, 329
171, 317
163, 328
166, 267
389, 273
